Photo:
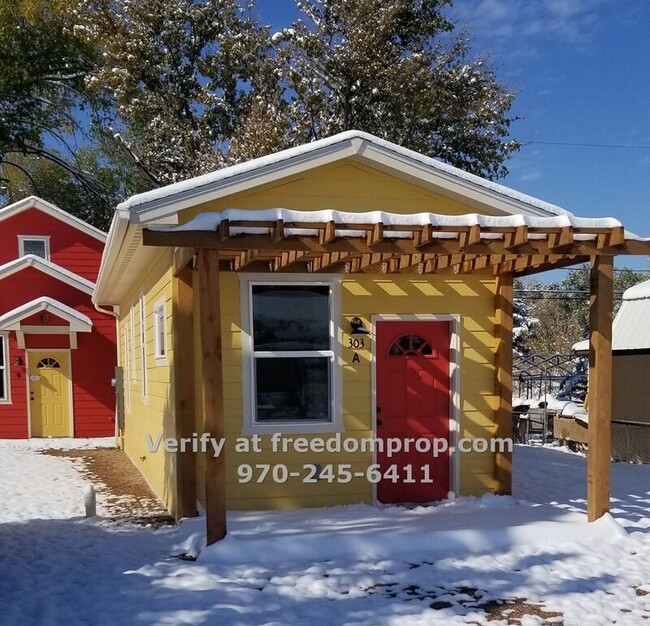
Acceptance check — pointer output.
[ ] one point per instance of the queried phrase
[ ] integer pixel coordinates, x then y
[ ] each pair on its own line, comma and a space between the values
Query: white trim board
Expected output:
33, 202
47, 267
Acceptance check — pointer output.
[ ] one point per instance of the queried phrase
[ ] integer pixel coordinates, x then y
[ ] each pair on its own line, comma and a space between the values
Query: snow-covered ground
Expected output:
347, 565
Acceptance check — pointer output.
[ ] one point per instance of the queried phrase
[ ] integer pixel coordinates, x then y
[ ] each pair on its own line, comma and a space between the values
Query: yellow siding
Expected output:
152, 414
470, 297
347, 186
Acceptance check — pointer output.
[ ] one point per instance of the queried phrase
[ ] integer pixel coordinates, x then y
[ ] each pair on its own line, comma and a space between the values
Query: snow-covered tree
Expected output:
524, 326
394, 68
177, 74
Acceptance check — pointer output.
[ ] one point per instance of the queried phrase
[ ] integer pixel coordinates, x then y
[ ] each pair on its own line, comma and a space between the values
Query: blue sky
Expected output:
581, 70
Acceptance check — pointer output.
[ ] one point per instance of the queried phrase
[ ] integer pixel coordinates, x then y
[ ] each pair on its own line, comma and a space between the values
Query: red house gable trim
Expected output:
78, 321
47, 267
42, 205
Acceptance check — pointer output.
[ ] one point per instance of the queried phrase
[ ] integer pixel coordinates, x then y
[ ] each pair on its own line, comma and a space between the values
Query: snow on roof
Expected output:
638, 292
210, 221
631, 328
78, 320
340, 142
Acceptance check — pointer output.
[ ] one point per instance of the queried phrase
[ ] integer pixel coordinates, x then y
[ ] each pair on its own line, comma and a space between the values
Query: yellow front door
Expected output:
49, 394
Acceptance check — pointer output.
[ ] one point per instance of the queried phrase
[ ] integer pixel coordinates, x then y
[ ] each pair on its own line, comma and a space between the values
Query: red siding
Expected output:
93, 361
69, 247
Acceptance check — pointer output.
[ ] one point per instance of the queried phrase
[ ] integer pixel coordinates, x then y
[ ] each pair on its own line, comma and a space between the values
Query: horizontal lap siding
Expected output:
93, 361
347, 186
69, 247
150, 416
472, 298
13, 417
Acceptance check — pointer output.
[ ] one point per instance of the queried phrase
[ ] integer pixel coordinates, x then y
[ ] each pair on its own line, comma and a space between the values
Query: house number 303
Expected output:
356, 343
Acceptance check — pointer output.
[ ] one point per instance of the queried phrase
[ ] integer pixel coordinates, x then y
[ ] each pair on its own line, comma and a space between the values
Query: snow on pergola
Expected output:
277, 240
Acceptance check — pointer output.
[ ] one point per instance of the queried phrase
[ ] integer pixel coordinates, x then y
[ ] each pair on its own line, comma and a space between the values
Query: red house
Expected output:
57, 351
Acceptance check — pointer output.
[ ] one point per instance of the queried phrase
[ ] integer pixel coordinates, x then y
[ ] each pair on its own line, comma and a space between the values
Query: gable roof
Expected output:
161, 205
77, 320
33, 202
47, 267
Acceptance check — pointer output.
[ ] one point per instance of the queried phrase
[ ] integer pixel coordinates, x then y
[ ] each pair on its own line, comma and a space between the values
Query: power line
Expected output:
590, 145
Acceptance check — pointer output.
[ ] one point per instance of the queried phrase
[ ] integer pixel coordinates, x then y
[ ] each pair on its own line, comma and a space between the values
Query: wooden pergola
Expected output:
507, 247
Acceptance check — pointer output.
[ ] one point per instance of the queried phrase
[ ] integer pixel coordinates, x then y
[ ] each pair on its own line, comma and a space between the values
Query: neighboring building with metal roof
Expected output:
630, 375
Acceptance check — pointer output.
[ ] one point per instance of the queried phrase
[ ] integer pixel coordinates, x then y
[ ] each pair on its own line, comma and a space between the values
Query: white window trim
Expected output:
160, 356
5, 371
143, 347
336, 333
134, 376
44, 238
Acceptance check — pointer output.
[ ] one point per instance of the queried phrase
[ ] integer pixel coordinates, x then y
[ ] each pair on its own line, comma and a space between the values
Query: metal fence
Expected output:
537, 375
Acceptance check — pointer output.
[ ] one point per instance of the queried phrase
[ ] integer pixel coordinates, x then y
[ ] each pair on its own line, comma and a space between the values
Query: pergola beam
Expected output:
523, 242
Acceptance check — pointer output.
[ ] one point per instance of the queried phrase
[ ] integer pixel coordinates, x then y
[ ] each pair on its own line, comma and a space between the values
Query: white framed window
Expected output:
34, 244
5, 383
132, 344
160, 333
143, 346
290, 341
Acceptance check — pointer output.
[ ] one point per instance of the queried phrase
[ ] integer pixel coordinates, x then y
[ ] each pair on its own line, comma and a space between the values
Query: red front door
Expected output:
413, 402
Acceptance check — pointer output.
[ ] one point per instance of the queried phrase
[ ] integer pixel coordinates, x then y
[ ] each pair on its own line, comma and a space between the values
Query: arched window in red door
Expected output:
411, 345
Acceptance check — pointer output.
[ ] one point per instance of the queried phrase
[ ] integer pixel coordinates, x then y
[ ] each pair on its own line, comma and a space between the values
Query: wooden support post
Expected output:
600, 386
183, 344
504, 312
212, 391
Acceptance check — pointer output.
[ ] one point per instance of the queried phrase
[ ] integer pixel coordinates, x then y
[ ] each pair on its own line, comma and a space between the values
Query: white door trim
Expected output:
454, 378
45, 351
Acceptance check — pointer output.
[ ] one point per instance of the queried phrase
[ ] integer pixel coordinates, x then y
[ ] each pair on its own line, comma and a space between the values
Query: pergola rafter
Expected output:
394, 247
380, 243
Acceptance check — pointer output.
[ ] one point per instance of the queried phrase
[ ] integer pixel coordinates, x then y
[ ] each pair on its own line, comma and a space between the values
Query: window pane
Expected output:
2, 351
291, 317
34, 246
292, 389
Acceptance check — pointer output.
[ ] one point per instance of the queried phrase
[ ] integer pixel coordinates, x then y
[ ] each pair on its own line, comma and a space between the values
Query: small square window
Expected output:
38, 246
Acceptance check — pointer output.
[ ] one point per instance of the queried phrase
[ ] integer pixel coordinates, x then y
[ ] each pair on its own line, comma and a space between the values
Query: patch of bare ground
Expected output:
510, 611
120, 486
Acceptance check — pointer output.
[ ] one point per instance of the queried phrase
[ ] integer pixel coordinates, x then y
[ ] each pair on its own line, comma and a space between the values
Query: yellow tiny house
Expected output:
332, 324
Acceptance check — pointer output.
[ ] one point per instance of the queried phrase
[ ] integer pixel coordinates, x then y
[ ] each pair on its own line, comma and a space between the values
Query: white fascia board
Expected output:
47, 267
160, 204
117, 248
162, 210
77, 320
466, 188
33, 202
